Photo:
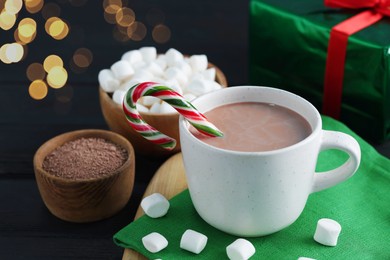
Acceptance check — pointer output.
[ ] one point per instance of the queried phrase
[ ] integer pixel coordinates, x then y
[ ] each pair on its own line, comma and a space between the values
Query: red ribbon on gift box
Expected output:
337, 48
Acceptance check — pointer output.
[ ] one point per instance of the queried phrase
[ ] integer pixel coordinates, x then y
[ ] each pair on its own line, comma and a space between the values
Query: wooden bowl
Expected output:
165, 123
85, 200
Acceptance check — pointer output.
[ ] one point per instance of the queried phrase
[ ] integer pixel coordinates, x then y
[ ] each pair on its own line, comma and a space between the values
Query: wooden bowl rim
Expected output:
39, 155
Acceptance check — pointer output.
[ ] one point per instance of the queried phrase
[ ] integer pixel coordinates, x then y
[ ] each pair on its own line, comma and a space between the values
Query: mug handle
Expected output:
343, 142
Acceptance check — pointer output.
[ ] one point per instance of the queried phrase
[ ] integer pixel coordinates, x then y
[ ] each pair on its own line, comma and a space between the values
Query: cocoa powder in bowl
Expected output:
85, 158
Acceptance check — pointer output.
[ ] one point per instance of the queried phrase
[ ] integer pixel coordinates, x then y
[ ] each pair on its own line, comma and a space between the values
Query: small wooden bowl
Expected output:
85, 200
165, 123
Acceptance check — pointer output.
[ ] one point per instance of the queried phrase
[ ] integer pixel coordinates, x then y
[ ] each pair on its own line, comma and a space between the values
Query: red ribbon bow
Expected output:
337, 47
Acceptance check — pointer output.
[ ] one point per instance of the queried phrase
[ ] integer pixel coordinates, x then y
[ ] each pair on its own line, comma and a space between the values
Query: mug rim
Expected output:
184, 124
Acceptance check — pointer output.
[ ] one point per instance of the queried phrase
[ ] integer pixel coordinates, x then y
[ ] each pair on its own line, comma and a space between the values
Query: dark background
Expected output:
27, 229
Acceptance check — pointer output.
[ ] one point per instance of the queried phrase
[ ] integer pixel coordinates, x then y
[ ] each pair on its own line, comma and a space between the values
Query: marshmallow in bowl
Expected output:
133, 56
189, 76
173, 57
107, 81
148, 53
327, 232
198, 62
154, 242
122, 69
240, 249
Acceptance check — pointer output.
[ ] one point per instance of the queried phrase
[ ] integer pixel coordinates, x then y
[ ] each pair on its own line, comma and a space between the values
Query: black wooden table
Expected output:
27, 229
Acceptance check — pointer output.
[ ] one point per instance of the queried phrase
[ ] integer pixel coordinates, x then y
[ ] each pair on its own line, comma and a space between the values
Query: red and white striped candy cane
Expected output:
174, 99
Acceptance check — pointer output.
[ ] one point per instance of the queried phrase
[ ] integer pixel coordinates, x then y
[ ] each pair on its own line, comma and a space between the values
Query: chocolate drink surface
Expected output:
255, 126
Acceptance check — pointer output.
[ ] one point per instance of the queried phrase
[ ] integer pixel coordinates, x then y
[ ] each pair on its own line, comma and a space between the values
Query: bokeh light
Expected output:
161, 33
3, 55
56, 28
82, 57
26, 31
52, 61
38, 89
33, 6
137, 31
35, 71
13, 6
125, 17
14, 52
7, 20
57, 77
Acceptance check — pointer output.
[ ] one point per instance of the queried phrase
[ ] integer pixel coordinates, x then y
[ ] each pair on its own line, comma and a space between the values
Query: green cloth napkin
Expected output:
361, 205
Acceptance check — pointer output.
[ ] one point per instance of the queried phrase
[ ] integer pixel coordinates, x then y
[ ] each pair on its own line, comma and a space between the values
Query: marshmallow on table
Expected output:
107, 81
193, 241
241, 249
327, 232
132, 56
122, 69
154, 242
155, 205
198, 62
148, 53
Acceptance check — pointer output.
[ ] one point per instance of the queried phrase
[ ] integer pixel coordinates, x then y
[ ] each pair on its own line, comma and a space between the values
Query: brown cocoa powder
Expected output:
85, 158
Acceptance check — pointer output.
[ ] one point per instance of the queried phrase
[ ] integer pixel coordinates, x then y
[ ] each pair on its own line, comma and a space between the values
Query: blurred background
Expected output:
51, 52
82, 37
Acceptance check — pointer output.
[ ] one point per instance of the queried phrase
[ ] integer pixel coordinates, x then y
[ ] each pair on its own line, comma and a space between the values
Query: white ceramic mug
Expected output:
259, 193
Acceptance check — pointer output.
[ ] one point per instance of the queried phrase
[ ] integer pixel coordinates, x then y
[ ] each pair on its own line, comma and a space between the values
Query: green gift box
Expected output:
288, 50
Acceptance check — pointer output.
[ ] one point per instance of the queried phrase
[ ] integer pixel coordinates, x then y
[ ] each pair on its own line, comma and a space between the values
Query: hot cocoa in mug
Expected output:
255, 180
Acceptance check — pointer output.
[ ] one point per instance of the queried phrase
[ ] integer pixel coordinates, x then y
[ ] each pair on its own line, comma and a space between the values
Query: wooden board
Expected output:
169, 180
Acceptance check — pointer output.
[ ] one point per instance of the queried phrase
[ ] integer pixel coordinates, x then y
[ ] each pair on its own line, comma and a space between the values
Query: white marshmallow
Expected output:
173, 56
153, 68
198, 62
142, 75
132, 56
149, 100
209, 74
177, 74
241, 249
173, 84
184, 67
189, 96
327, 232
165, 108
122, 69
125, 86
193, 241
148, 53
162, 61
155, 108
107, 81
118, 96
142, 108
305, 258
154, 242
138, 65
155, 205
199, 87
